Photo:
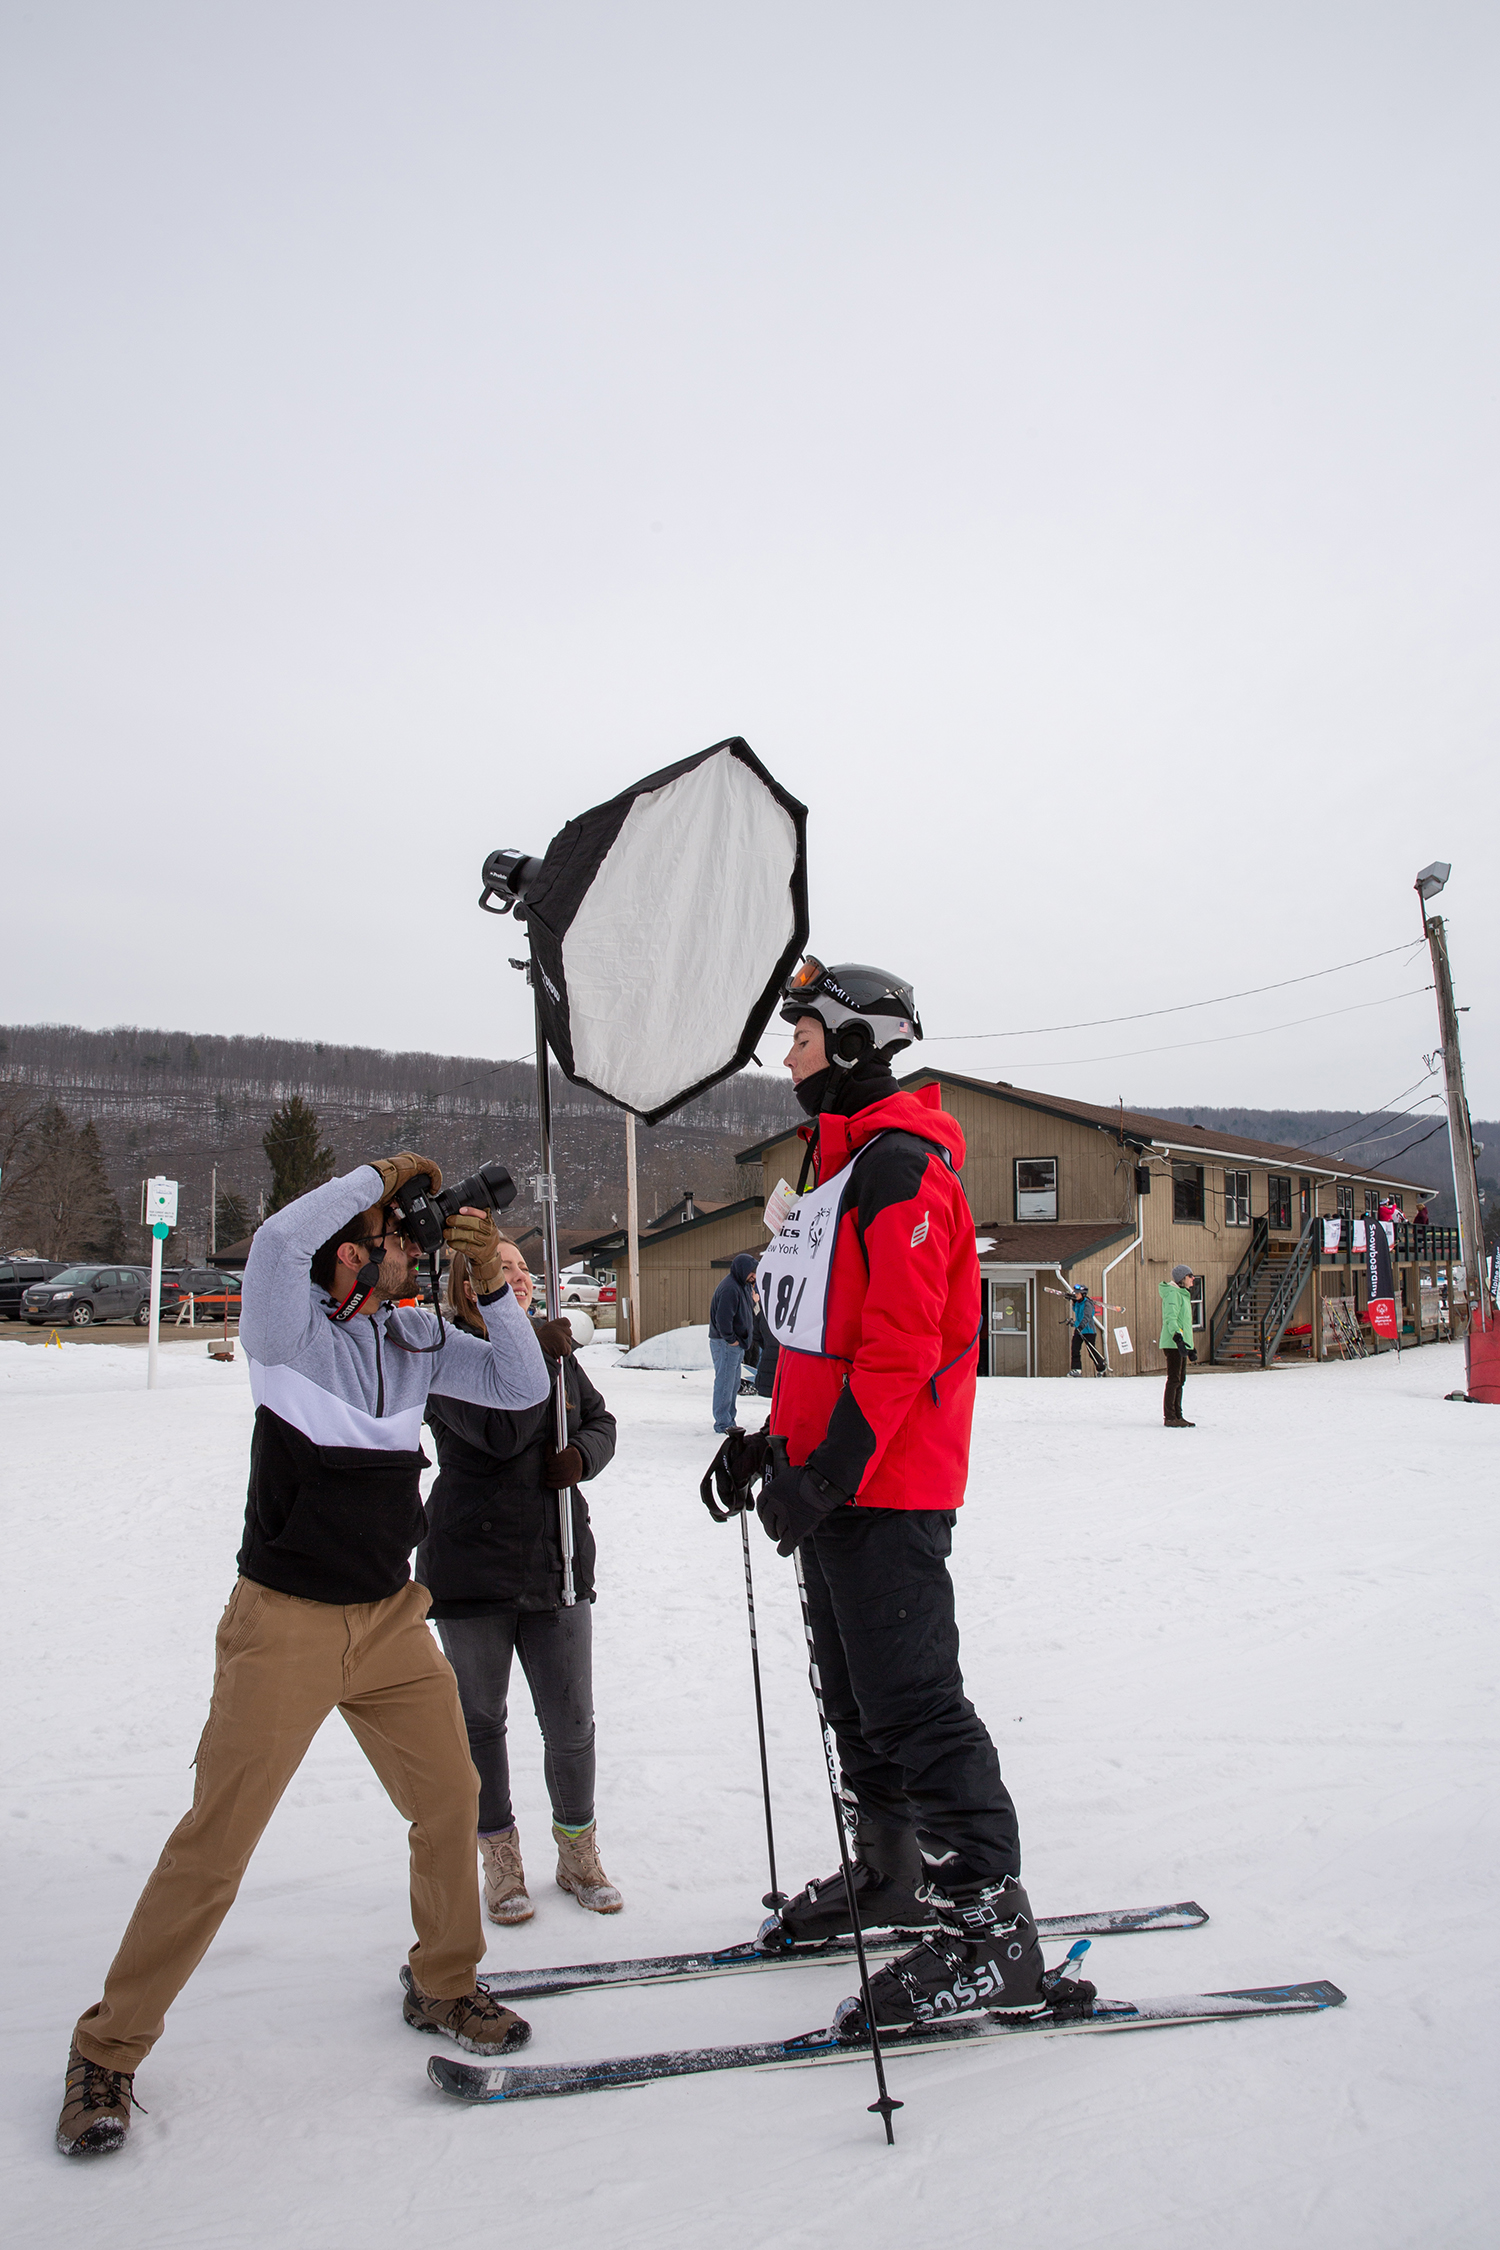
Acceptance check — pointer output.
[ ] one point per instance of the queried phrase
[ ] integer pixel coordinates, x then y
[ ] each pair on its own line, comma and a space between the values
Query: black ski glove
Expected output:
732, 1471
795, 1503
1192, 1355
560, 1470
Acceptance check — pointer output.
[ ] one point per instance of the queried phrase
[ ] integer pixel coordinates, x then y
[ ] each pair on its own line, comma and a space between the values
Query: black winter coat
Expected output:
493, 1537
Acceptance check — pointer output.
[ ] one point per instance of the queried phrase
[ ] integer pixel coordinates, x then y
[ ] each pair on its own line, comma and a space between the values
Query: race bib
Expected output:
795, 1269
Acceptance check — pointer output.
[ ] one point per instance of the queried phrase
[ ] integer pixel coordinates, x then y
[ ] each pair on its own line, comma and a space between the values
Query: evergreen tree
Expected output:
231, 1218
291, 1145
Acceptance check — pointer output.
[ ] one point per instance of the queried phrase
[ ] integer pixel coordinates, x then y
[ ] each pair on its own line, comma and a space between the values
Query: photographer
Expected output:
325, 1616
492, 1561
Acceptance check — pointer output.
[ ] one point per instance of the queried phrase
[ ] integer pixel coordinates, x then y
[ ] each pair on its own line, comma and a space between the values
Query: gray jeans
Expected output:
556, 1651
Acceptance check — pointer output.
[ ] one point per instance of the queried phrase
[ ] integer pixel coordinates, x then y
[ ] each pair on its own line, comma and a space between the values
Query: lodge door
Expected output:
1009, 1327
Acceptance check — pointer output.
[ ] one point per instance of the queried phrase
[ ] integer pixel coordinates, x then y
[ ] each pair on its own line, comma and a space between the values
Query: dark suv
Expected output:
81, 1295
210, 1290
16, 1276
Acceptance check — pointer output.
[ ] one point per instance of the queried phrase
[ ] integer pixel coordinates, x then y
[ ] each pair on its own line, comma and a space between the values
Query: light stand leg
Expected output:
547, 1192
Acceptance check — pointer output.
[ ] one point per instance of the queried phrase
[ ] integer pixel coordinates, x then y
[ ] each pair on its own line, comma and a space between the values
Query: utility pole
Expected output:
632, 1232
1460, 1139
213, 1215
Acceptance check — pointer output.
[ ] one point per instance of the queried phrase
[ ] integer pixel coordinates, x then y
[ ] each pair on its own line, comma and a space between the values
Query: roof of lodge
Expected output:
613, 1238
1046, 1242
1137, 1125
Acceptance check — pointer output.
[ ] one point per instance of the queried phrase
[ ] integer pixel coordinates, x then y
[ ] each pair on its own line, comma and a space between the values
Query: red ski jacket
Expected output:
885, 1413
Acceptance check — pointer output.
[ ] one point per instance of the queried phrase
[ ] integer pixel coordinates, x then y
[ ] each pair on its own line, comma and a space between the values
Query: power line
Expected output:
1224, 1038
1417, 1143
1365, 1115
1096, 1023
1373, 1140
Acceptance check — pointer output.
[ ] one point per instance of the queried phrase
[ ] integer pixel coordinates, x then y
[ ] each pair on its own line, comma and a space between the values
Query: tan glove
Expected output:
477, 1236
556, 1337
395, 1171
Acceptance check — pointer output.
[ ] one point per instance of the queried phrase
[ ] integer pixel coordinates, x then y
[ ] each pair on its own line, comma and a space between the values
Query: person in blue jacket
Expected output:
731, 1330
1084, 1332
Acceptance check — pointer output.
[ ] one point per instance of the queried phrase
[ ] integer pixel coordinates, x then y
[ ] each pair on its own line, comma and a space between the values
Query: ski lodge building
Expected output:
1066, 1191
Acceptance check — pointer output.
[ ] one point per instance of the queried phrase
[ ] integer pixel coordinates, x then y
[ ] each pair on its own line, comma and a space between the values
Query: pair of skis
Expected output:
477, 2082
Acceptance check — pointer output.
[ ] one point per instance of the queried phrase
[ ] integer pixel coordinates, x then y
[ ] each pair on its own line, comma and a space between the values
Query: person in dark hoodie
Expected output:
492, 1562
731, 1332
871, 1288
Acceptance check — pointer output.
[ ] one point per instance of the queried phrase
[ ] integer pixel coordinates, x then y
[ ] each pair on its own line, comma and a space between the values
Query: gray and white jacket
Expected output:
334, 1508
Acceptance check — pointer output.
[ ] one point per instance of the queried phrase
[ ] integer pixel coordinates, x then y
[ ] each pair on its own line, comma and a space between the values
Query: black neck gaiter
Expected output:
843, 1093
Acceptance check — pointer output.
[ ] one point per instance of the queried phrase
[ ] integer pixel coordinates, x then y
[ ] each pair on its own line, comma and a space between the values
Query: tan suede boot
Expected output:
96, 2107
579, 1871
505, 1897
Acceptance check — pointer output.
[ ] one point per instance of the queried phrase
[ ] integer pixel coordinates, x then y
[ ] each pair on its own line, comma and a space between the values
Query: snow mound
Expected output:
676, 1350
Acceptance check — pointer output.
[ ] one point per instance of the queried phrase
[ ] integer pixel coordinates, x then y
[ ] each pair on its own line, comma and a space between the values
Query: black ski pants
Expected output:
1084, 1339
1171, 1397
912, 1749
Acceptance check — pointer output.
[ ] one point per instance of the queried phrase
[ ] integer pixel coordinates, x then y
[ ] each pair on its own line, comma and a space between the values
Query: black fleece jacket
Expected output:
493, 1537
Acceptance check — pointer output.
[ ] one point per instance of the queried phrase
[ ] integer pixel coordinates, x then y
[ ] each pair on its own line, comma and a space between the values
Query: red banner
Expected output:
1382, 1312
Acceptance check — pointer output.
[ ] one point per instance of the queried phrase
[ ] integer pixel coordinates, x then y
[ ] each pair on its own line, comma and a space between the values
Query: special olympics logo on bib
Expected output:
816, 1232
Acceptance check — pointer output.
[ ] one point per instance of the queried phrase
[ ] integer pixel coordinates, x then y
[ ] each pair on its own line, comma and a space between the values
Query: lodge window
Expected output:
1187, 1193
1279, 1201
1372, 1202
1345, 1202
1304, 1197
1195, 1291
1236, 1199
1036, 1187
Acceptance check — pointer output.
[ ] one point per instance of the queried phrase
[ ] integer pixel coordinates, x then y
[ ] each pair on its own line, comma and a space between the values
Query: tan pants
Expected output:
282, 1665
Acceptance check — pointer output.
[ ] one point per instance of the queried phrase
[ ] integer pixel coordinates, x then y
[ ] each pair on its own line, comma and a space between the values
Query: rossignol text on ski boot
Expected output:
887, 1864
984, 1955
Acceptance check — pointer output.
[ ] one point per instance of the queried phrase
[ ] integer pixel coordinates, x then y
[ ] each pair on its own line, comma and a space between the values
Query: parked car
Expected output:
607, 1293
579, 1289
16, 1276
210, 1291
81, 1295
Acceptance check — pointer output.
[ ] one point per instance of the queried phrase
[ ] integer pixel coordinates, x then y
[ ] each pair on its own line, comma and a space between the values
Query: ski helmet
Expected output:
863, 1011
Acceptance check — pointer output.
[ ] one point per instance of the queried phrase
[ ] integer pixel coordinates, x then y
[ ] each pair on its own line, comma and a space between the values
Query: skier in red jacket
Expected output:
872, 1290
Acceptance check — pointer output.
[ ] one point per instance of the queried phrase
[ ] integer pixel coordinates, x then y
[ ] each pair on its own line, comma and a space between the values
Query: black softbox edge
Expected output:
568, 868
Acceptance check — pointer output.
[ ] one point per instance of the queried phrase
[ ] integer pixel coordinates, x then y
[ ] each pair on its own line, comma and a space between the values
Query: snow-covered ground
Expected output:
1252, 1664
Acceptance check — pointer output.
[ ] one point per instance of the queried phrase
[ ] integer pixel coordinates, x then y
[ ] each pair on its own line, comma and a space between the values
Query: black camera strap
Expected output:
365, 1282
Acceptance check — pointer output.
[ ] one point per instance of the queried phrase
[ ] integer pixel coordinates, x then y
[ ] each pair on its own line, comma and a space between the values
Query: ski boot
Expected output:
887, 1863
984, 1956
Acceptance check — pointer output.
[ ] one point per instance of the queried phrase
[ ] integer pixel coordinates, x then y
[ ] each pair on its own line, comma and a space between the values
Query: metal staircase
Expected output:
1259, 1300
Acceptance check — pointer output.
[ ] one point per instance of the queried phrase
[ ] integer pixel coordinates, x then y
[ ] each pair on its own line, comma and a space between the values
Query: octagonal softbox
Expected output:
663, 926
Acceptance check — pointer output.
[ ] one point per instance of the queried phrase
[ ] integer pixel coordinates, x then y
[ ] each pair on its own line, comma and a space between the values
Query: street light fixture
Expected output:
1432, 879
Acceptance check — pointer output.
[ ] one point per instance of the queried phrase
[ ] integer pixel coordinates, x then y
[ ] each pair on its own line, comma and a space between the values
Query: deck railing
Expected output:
1413, 1246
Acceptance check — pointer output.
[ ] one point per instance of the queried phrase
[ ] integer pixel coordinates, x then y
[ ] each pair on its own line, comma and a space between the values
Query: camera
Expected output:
422, 1213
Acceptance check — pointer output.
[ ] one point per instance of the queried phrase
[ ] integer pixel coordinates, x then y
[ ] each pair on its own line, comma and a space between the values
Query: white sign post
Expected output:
159, 1213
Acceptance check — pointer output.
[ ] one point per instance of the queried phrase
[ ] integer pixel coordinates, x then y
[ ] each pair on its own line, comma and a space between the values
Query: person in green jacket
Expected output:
1176, 1341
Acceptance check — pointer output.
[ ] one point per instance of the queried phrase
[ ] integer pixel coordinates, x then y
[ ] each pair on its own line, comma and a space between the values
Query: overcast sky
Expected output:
1061, 439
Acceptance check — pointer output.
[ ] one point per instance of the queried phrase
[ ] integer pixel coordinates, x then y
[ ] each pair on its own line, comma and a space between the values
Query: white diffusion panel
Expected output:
680, 933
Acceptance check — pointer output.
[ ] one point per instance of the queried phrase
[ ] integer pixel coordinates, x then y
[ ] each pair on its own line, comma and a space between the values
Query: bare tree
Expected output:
70, 1210
20, 1116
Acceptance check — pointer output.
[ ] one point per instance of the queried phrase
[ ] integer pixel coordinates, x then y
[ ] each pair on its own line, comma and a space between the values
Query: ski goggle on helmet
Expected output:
862, 1010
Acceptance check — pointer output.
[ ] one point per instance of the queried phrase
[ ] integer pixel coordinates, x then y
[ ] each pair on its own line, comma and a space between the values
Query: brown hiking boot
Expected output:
505, 1898
579, 1871
96, 2108
474, 2020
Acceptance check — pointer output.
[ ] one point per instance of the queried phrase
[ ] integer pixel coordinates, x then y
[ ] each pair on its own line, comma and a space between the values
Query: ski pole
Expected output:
774, 1897
884, 2105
